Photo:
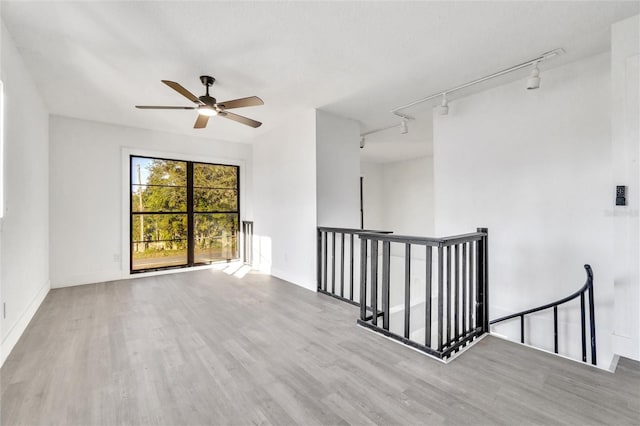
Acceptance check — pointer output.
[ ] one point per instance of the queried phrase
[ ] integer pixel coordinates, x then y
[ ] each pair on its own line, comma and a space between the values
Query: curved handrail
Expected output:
588, 284
587, 287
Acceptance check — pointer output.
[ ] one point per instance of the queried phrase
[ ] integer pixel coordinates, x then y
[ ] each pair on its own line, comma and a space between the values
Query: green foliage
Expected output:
165, 190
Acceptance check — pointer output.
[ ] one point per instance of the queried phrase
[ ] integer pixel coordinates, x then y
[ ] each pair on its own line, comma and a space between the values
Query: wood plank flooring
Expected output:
204, 347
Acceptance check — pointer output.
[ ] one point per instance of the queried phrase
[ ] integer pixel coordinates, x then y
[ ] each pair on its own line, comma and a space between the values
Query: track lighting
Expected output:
403, 126
443, 109
533, 82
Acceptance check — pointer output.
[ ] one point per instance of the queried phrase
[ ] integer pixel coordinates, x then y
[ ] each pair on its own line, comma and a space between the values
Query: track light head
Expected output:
404, 129
533, 82
443, 109
361, 142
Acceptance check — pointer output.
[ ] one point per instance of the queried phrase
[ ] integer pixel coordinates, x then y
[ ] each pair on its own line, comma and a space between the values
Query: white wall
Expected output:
398, 196
407, 187
24, 229
535, 168
285, 200
89, 191
337, 174
625, 73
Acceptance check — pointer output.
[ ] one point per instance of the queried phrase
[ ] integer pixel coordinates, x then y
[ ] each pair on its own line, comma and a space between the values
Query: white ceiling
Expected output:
96, 60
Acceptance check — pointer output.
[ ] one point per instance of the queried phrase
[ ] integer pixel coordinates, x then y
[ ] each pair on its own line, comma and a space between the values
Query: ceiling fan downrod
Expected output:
207, 81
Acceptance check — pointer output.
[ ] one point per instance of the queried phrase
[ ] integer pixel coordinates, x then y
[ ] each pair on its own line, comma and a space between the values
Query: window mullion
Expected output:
190, 220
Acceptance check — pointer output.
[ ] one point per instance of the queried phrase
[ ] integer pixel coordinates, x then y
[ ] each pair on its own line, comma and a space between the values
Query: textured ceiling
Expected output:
96, 60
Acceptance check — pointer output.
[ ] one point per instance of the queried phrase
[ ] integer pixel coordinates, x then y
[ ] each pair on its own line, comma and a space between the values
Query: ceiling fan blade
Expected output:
240, 119
162, 107
184, 92
201, 121
240, 103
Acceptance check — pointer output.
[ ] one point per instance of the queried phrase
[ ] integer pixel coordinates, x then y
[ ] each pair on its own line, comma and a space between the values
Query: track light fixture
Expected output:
533, 82
403, 126
443, 109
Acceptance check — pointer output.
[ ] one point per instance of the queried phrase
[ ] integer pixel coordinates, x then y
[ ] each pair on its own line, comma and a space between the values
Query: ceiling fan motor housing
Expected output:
208, 100
207, 80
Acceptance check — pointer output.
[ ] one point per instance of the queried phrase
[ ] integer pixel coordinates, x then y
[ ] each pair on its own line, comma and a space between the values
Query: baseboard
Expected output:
300, 282
99, 277
14, 334
588, 364
614, 363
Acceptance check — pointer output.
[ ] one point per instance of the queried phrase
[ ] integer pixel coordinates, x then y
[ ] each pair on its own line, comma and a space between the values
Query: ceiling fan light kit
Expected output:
207, 106
207, 110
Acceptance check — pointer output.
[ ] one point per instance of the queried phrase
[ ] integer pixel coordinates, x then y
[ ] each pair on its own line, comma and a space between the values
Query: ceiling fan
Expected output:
207, 105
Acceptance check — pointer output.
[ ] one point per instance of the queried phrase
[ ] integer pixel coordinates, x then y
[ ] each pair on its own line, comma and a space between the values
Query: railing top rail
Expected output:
352, 230
585, 287
426, 241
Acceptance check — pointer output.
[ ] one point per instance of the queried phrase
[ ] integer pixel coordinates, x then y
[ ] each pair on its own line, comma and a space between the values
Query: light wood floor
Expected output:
206, 348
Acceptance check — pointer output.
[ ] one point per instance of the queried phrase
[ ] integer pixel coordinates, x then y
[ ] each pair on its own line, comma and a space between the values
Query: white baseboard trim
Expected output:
106, 276
588, 364
614, 363
299, 281
15, 332
98, 277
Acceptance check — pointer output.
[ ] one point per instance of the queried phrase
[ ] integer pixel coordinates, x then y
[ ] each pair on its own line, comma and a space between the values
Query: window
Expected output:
183, 213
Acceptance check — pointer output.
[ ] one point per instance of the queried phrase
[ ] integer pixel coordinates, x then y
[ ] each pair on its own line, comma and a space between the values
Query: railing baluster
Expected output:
449, 298
363, 271
584, 334
465, 283
351, 275
521, 328
592, 322
324, 263
478, 290
427, 307
407, 289
472, 278
374, 281
318, 259
456, 301
363, 279
342, 264
333, 262
555, 329
485, 278
386, 265
440, 296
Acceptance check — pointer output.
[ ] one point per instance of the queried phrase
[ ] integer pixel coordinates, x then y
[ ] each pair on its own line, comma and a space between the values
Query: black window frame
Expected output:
190, 212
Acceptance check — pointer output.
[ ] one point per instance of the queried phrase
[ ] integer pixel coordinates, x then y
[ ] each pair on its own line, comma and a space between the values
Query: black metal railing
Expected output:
586, 288
456, 277
247, 242
338, 276
445, 311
